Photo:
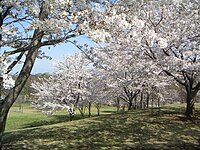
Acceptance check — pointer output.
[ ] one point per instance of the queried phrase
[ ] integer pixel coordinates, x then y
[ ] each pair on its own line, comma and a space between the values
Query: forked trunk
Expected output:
98, 106
81, 110
130, 104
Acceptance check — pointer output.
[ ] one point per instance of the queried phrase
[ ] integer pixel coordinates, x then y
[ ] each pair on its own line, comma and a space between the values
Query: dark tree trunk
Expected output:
135, 102
141, 100
158, 102
1, 88
98, 106
89, 109
147, 100
3, 118
98, 111
189, 109
81, 110
118, 104
130, 104
189, 103
191, 91
152, 101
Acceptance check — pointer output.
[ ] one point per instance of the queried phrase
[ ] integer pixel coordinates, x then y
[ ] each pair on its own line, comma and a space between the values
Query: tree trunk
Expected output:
147, 100
14, 92
189, 104
141, 100
70, 117
98, 111
89, 109
191, 91
81, 110
98, 106
3, 118
1, 88
152, 101
9, 100
135, 102
158, 102
130, 105
118, 104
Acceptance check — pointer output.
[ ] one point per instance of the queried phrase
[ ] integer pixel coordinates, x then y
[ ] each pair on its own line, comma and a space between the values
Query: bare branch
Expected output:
15, 62
177, 79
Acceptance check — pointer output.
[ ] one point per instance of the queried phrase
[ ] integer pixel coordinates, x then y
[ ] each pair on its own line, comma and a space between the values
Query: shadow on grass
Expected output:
59, 119
55, 119
108, 111
129, 130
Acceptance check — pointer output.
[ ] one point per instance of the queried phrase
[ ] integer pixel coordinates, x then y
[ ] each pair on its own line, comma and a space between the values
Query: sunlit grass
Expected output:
166, 128
30, 117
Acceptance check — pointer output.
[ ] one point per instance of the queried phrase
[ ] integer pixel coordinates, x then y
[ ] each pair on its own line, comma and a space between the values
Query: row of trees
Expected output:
149, 46
27, 26
160, 39
145, 46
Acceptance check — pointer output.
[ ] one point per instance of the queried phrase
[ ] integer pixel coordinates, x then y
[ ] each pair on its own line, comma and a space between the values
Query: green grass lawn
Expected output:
137, 129
31, 117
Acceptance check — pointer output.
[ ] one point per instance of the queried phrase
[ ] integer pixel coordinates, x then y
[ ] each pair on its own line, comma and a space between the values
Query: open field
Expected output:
137, 129
31, 117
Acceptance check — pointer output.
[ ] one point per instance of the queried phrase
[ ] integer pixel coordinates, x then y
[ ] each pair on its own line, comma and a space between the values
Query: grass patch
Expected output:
138, 129
31, 117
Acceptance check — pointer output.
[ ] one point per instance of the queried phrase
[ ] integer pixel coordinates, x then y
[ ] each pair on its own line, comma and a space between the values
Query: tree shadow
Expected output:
55, 119
128, 130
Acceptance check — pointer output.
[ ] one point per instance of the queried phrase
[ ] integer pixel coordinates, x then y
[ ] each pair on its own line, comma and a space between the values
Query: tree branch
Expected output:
53, 42
170, 74
15, 62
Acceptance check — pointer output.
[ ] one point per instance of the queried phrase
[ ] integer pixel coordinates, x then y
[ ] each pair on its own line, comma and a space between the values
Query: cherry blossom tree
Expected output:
125, 75
164, 37
66, 88
74, 85
28, 25
97, 91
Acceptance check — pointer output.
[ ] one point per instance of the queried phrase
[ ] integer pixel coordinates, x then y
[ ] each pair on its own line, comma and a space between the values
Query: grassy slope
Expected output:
138, 129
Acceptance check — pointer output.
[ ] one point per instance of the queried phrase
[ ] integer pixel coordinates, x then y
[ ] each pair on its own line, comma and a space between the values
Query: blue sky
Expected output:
57, 53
